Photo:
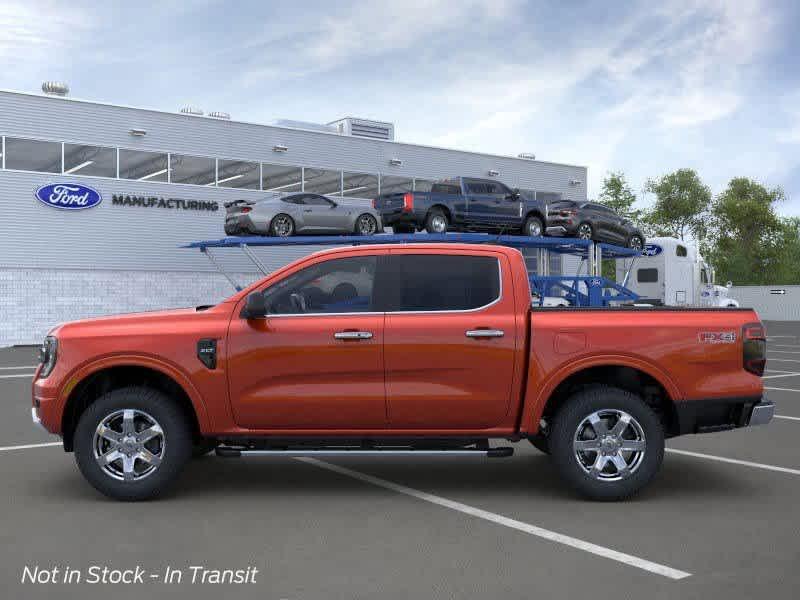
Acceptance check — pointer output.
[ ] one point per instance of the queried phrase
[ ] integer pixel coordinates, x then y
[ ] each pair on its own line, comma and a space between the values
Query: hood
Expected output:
128, 321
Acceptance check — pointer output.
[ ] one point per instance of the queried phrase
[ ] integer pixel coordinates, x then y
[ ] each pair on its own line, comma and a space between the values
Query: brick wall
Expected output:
32, 301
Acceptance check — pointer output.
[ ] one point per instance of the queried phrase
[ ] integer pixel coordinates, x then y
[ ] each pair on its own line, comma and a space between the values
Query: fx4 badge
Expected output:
717, 337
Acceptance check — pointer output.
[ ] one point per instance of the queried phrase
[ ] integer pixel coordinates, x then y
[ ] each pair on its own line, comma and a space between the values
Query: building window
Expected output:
144, 166
360, 185
323, 181
396, 185
196, 170
33, 155
96, 161
280, 178
555, 263
238, 174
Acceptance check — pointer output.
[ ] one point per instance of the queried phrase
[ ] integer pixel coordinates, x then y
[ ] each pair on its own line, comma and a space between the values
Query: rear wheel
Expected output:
437, 221
366, 224
585, 231
533, 227
281, 226
607, 443
132, 442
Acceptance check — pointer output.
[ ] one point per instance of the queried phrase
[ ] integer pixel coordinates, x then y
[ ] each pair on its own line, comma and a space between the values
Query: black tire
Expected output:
276, 226
404, 228
176, 449
203, 446
585, 231
534, 227
540, 442
567, 425
361, 222
636, 242
434, 220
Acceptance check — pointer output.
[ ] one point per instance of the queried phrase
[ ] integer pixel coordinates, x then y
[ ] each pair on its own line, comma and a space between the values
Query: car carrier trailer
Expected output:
581, 290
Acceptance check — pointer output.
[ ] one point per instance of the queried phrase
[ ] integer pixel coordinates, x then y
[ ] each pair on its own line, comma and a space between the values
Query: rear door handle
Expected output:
484, 333
353, 335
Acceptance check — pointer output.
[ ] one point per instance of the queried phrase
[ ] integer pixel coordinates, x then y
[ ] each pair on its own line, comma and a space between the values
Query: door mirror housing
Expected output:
255, 306
514, 195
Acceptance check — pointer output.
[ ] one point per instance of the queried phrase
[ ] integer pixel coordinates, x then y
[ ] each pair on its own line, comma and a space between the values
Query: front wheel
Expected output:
132, 442
607, 443
635, 242
533, 227
366, 224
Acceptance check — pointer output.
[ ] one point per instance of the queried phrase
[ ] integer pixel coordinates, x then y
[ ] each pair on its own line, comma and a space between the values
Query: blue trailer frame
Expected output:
591, 289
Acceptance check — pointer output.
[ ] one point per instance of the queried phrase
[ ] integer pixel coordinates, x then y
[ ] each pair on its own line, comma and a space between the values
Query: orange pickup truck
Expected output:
418, 349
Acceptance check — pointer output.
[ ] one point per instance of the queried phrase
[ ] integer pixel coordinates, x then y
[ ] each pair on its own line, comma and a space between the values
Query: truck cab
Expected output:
671, 272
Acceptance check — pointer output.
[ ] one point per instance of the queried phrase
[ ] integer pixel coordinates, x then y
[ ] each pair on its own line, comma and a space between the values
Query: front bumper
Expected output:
37, 421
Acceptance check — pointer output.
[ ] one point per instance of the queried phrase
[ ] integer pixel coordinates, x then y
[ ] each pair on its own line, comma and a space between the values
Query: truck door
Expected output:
504, 207
450, 340
679, 289
316, 360
478, 203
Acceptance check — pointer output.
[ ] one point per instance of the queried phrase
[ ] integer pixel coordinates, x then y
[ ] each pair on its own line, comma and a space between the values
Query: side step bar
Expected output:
231, 452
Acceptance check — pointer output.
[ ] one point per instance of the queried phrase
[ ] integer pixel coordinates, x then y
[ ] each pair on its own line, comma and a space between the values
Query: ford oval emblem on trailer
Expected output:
68, 196
652, 250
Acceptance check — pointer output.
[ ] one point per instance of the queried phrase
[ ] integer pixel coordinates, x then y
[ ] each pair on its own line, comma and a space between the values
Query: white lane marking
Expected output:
770, 359
788, 418
781, 389
778, 371
770, 350
783, 375
793, 346
775, 337
28, 446
28, 375
553, 536
734, 461
17, 368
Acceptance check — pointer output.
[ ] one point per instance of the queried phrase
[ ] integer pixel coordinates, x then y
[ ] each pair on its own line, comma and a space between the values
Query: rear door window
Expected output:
442, 282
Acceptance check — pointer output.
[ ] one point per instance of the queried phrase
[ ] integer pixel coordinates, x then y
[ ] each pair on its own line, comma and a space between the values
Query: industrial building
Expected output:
162, 179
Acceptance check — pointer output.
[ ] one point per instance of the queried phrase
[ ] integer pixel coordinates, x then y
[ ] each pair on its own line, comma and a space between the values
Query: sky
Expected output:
639, 87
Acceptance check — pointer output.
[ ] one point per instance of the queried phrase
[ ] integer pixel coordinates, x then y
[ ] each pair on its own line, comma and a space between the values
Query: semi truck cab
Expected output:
671, 272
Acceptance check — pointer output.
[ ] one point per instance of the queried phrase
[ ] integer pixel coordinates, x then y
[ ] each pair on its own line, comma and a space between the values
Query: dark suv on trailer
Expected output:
592, 221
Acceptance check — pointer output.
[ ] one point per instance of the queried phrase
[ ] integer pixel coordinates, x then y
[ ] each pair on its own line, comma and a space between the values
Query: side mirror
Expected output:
255, 307
729, 285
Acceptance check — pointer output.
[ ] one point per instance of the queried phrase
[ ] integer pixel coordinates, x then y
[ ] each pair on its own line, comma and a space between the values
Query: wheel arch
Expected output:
292, 217
105, 376
641, 379
443, 208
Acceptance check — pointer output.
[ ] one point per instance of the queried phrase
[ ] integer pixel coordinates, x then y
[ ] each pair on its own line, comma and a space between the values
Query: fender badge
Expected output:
717, 337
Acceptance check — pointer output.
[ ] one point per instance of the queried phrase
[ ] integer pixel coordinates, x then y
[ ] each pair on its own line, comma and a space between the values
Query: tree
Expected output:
618, 195
750, 243
681, 205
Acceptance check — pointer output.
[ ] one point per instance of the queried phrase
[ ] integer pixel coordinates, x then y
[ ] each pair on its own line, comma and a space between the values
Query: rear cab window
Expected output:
442, 282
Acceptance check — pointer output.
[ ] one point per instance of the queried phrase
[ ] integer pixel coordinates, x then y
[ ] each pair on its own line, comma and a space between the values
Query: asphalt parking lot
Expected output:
722, 520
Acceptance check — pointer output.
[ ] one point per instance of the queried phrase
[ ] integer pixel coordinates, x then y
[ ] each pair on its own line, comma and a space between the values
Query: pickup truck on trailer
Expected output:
464, 204
421, 348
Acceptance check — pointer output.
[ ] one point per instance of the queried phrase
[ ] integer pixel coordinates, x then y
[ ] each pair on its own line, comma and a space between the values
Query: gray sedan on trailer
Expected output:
283, 215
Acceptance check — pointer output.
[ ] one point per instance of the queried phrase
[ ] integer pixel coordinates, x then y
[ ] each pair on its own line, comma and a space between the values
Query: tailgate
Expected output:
390, 202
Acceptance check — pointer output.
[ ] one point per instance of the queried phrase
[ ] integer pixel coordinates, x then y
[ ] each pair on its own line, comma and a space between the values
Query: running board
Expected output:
229, 452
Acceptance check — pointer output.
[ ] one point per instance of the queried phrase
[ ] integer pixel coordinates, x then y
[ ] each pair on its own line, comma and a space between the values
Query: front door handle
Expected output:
353, 335
485, 333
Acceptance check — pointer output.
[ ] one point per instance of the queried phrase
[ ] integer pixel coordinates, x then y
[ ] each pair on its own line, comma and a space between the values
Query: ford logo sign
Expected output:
652, 250
68, 196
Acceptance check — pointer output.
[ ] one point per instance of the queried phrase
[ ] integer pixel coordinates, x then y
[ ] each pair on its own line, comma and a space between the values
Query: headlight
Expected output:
48, 353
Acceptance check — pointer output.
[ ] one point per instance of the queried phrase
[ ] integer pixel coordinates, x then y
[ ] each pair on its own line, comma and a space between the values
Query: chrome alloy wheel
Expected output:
129, 445
367, 225
439, 224
534, 228
636, 243
282, 226
609, 445
585, 231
